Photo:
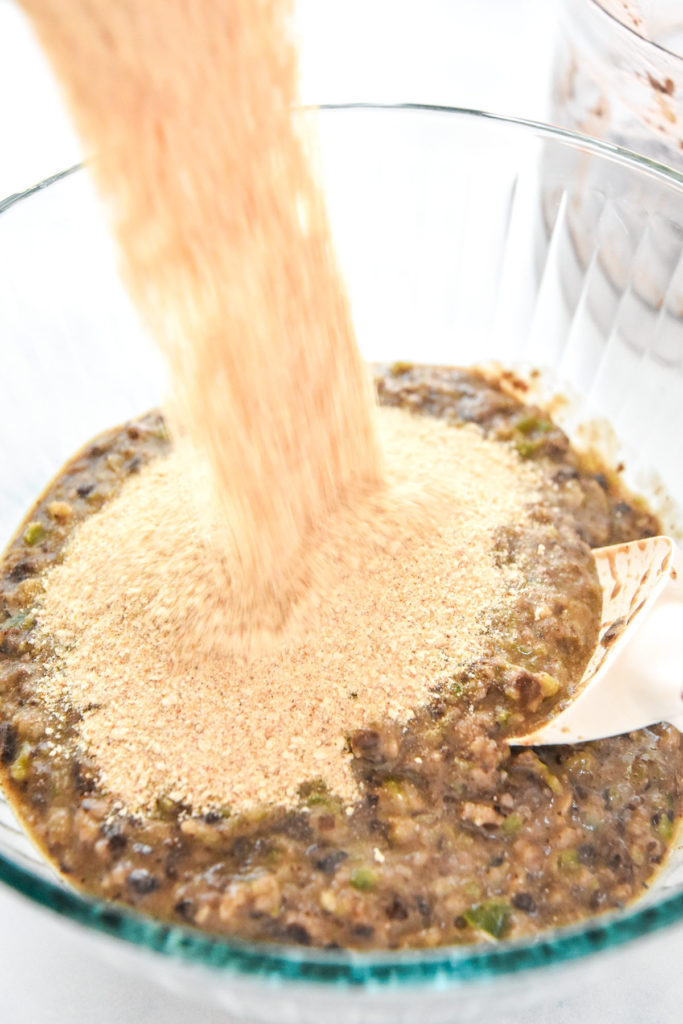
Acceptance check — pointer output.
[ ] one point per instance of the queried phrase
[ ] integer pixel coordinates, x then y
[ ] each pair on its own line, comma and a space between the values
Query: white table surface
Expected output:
490, 54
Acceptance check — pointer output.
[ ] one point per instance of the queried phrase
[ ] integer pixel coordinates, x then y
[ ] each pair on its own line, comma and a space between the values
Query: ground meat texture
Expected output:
456, 838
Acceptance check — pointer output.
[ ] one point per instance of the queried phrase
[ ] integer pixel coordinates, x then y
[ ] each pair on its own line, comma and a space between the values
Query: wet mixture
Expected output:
258, 679
419, 826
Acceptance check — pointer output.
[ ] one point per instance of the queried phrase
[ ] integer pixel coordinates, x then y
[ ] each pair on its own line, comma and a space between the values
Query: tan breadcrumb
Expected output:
141, 622
186, 110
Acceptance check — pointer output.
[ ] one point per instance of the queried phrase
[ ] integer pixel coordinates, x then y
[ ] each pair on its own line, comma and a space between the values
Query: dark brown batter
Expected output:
455, 838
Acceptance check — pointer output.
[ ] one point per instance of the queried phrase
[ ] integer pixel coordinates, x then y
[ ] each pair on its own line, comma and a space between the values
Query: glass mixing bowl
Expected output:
463, 238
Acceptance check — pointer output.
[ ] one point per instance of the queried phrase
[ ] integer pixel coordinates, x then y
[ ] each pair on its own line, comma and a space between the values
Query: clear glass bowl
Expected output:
463, 238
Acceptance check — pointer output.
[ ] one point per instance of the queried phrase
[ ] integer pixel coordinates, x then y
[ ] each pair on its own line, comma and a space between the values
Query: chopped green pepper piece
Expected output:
527, 446
551, 781
568, 860
24, 620
511, 824
665, 827
19, 767
363, 879
33, 533
529, 424
491, 917
549, 684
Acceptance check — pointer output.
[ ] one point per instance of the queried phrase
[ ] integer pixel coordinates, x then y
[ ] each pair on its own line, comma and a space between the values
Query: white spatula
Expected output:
635, 677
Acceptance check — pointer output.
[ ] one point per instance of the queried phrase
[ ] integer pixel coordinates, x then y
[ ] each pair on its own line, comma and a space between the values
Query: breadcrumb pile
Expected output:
137, 612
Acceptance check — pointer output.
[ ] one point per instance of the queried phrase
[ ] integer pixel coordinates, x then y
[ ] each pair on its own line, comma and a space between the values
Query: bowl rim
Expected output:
575, 140
444, 967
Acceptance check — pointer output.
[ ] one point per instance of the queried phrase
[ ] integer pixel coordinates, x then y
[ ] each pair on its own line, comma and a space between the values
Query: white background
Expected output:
489, 54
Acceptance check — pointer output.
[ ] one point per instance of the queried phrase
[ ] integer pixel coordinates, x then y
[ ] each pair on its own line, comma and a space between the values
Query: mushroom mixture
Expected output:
455, 837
